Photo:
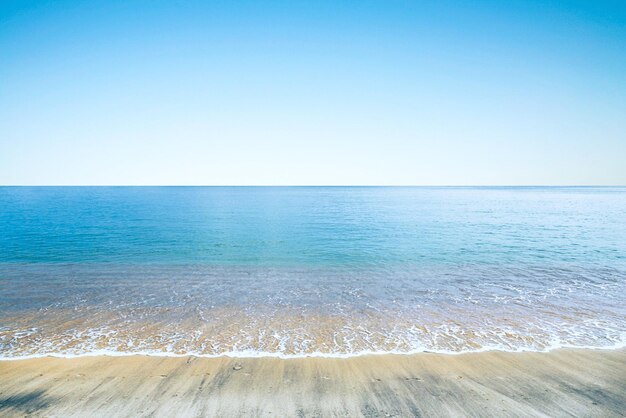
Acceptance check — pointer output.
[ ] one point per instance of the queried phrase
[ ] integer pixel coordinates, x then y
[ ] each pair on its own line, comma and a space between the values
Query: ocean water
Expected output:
301, 271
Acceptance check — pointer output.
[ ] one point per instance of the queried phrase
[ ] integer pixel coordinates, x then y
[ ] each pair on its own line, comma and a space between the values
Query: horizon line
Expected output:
318, 185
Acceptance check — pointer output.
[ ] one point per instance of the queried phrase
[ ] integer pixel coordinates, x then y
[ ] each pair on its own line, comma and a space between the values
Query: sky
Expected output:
312, 93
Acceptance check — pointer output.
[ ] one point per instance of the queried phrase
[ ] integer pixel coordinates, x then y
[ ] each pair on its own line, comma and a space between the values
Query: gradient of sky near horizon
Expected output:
324, 92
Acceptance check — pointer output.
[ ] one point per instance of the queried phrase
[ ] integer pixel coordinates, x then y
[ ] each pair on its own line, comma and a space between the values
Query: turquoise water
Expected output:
310, 271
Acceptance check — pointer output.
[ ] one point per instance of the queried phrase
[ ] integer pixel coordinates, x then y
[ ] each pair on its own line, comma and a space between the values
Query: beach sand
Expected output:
560, 383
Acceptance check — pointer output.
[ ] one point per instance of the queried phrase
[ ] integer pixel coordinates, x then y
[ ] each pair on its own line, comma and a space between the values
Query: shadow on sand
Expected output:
25, 402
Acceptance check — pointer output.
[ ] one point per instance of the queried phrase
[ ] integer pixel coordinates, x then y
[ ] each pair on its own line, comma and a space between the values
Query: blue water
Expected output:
295, 271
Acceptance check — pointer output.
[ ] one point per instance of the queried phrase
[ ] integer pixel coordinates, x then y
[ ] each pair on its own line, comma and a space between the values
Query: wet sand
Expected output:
560, 383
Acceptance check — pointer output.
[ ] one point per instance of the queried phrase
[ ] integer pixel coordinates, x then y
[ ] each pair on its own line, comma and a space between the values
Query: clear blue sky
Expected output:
337, 92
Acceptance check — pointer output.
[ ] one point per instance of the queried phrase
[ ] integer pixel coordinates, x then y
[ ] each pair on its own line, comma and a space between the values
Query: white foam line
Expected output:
267, 354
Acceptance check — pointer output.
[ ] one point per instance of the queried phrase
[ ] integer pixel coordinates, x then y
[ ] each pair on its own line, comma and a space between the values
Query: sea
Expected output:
310, 271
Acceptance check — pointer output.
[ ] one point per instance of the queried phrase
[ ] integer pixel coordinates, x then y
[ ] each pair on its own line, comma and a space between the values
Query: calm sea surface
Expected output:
310, 271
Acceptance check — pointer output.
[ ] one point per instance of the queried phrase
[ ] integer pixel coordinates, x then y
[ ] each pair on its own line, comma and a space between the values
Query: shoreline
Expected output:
313, 355
561, 382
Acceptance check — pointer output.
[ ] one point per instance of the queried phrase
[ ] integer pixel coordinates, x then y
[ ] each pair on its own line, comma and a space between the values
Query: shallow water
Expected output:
310, 271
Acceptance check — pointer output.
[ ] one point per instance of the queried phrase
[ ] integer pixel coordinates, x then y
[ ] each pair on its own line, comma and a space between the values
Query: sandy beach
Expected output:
560, 383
